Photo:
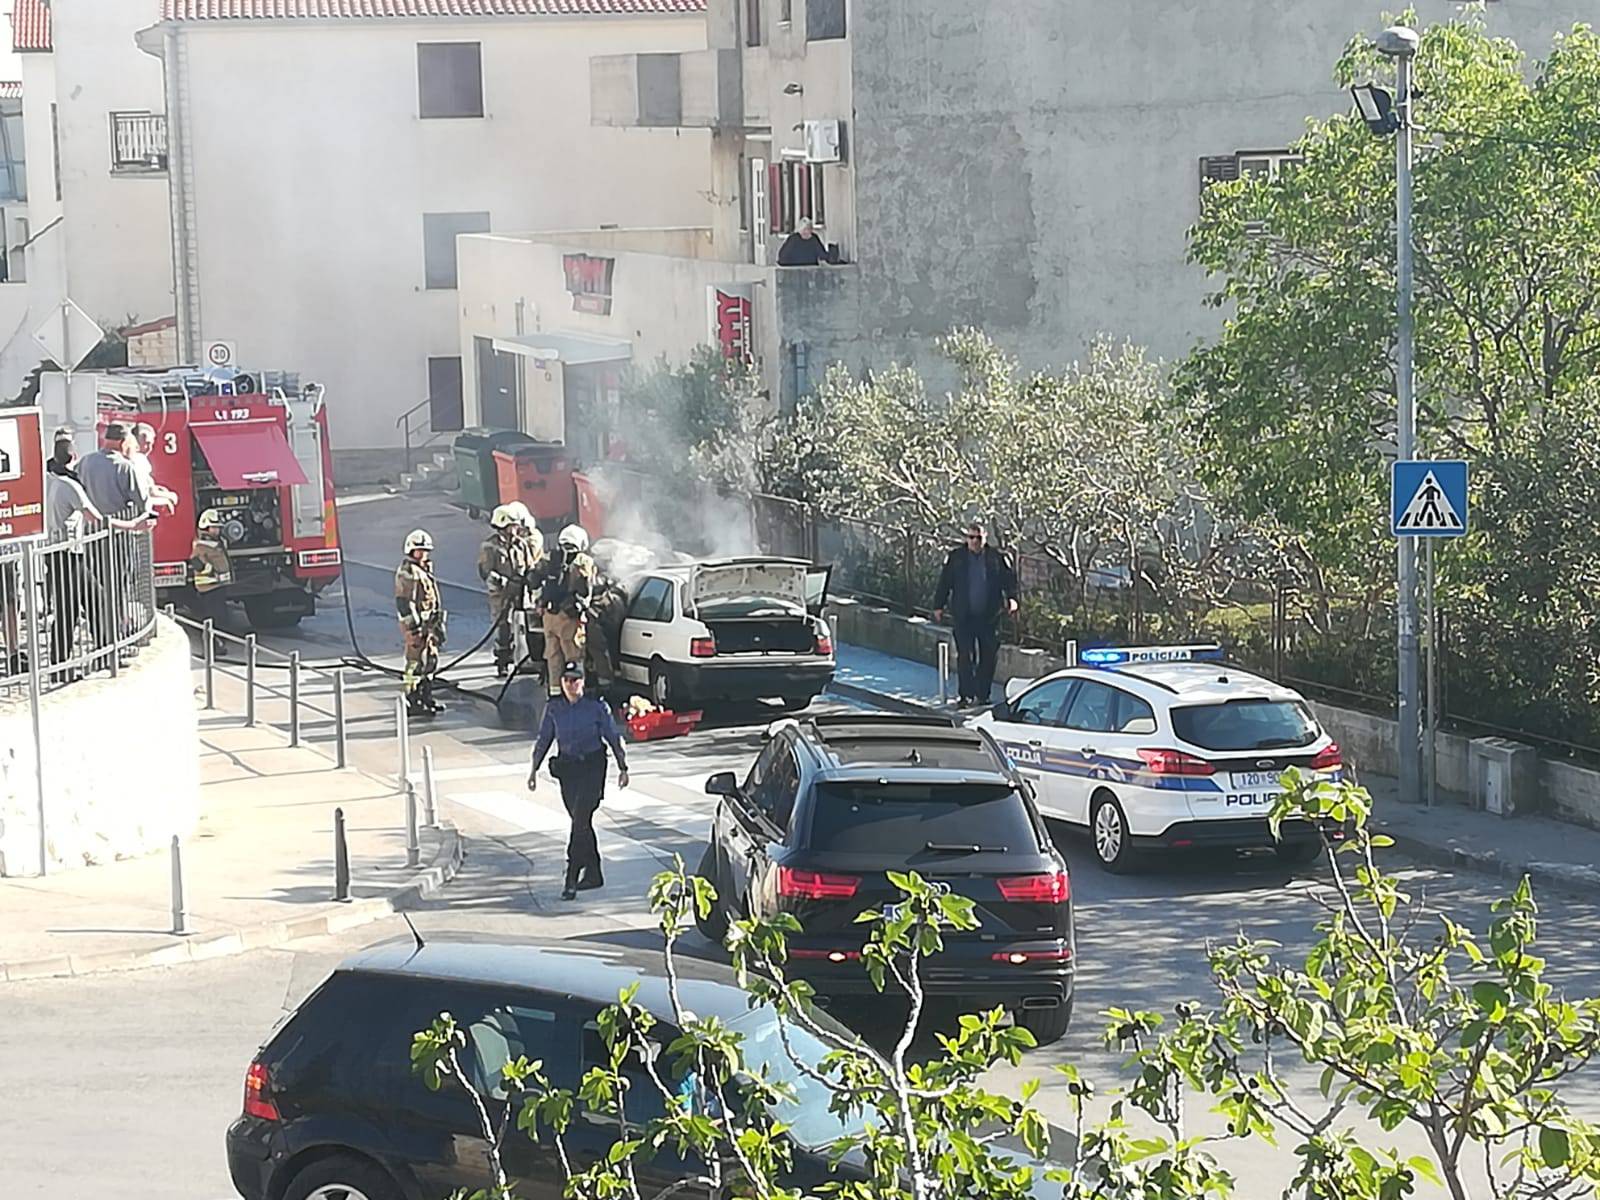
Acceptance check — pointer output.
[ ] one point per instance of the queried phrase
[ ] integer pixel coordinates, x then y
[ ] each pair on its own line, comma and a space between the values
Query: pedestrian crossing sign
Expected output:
1428, 498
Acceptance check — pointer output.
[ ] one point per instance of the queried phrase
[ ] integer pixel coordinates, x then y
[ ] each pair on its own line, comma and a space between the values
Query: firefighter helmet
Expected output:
519, 510
210, 519
503, 517
419, 539
573, 537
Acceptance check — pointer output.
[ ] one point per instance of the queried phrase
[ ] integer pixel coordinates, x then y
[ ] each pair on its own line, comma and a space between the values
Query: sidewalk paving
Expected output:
258, 870
1552, 853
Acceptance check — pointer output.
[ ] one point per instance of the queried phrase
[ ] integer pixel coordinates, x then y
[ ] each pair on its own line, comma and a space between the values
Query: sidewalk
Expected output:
1553, 854
258, 871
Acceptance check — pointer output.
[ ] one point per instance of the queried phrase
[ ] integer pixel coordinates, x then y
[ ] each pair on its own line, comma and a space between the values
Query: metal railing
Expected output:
75, 607
412, 429
138, 141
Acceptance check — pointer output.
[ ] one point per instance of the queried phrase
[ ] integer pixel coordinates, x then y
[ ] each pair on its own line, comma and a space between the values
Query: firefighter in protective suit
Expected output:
569, 578
422, 622
212, 569
504, 560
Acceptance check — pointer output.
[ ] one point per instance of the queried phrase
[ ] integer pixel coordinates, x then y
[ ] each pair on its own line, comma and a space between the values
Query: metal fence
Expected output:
74, 607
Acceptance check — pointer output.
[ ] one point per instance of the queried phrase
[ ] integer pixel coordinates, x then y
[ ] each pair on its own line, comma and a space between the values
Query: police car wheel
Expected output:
1109, 831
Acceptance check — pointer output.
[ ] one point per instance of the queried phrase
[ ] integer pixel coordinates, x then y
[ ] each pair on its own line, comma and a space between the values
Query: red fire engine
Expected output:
255, 448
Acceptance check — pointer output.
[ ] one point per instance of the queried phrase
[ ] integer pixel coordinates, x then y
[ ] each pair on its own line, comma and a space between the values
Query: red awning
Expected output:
246, 454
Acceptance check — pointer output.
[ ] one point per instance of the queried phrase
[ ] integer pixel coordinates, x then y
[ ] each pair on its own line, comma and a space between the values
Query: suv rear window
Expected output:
1246, 725
899, 819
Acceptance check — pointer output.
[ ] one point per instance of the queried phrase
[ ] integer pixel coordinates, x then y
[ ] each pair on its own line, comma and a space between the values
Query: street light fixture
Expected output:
1376, 107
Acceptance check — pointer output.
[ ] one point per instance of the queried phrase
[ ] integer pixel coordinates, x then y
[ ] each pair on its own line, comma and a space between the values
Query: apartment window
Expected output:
449, 79
13, 174
785, 11
825, 20
798, 193
439, 233
444, 393
744, 193
1223, 168
55, 147
752, 22
138, 143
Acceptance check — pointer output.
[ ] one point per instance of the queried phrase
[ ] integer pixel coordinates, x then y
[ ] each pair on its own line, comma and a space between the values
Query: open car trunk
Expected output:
729, 585
791, 634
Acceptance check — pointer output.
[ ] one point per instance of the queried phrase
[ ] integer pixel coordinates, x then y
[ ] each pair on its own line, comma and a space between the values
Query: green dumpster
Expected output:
475, 471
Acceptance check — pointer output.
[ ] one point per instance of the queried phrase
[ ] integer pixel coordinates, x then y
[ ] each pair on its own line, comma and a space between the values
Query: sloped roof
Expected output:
10, 89
268, 10
30, 25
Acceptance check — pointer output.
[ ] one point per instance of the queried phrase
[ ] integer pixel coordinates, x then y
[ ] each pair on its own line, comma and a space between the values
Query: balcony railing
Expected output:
138, 142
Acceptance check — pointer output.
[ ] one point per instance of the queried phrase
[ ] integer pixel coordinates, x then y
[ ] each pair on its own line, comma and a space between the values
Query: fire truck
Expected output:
253, 446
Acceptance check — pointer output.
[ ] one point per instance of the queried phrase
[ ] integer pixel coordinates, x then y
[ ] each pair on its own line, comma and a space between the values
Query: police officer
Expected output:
568, 583
503, 562
213, 570
581, 727
422, 622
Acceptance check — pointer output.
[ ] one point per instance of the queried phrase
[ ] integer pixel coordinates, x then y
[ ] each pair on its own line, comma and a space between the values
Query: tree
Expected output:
1292, 410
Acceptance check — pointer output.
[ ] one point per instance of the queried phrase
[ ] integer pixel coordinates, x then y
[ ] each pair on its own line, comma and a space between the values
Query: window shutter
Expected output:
1220, 168
775, 192
803, 200
819, 207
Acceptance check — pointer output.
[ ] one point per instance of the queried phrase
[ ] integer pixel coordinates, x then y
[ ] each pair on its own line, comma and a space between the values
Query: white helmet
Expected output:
519, 512
210, 519
504, 517
419, 539
573, 537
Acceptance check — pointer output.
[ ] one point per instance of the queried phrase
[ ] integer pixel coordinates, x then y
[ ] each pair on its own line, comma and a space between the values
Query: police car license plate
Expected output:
1255, 780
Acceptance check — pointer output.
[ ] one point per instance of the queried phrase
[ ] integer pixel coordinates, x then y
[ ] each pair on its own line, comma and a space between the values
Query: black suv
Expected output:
332, 1110
835, 802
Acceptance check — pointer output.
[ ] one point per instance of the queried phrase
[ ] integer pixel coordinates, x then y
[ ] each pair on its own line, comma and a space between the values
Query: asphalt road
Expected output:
123, 1085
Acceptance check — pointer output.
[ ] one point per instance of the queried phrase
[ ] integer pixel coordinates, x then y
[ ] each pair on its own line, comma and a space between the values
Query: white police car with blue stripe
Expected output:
1163, 747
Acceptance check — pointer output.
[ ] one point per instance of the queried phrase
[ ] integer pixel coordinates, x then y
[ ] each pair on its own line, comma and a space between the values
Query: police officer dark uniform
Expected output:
503, 560
422, 622
581, 727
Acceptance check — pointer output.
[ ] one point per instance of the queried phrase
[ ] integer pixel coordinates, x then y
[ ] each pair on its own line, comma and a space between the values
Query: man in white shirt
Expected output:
67, 508
160, 497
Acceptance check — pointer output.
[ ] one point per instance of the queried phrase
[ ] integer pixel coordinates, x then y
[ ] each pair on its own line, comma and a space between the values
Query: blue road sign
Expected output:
1428, 498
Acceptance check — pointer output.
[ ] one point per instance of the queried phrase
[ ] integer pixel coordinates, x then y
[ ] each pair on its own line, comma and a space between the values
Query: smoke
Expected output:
681, 515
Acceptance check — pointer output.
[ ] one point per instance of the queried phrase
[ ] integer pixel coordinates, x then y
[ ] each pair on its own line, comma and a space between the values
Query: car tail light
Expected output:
1327, 758
256, 1104
824, 644
1018, 958
816, 885
1175, 762
705, 647
836, 956
1037, 889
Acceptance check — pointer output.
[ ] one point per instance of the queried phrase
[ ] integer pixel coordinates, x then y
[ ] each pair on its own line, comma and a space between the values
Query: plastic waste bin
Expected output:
540, 475
475, 467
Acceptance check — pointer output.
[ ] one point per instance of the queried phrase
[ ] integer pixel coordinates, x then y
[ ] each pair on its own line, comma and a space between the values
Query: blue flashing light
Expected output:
1129, 656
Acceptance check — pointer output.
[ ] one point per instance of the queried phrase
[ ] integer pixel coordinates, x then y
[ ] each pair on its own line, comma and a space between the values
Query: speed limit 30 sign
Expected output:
221, 354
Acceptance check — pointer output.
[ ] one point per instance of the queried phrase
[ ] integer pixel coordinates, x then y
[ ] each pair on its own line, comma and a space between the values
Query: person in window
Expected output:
978, 584
803, 248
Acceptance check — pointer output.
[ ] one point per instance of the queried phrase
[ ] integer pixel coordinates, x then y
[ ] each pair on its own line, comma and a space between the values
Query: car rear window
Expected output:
896, 819
1246, 725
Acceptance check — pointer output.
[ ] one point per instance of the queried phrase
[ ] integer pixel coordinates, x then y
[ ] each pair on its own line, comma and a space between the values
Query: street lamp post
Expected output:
1393, 115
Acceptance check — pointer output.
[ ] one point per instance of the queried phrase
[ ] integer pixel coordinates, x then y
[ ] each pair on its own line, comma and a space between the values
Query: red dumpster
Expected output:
540, 475
591, 513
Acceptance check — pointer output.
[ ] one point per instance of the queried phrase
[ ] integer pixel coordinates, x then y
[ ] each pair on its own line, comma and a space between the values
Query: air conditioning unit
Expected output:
824, 141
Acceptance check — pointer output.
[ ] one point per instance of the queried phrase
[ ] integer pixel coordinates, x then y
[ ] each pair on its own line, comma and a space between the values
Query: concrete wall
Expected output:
310, 242
121, 759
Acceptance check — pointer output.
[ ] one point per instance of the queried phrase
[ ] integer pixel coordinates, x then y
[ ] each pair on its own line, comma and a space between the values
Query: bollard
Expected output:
180, 918
944, 672
338, 718
1069, 651
430, 801
294, 697
250, 679
413, 840
341, 858
209, 651
402, 737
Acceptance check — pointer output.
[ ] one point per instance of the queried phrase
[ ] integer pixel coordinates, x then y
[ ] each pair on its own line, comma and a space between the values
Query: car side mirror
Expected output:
1016, 685
723, 783
1001, 711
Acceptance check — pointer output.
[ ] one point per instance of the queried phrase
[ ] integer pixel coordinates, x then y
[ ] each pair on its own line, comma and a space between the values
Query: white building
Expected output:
323, 163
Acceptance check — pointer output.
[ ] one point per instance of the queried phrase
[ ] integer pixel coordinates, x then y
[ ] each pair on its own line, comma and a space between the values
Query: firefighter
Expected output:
422, 622
213, 570
503, 563
603, 633
568, 584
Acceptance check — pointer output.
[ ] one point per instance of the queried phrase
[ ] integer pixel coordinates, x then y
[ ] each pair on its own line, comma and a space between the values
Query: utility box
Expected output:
1504, 776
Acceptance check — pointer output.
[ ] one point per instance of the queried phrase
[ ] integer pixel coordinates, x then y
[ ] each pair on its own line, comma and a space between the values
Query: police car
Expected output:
1163, 747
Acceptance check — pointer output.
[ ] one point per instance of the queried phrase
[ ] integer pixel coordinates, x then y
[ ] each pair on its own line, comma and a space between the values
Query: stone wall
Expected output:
121, 763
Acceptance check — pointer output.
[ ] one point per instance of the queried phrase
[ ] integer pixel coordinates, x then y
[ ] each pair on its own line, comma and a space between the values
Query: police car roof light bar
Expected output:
1133, 656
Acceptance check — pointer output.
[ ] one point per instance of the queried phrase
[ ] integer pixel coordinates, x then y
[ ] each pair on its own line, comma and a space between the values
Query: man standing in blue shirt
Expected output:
581, 727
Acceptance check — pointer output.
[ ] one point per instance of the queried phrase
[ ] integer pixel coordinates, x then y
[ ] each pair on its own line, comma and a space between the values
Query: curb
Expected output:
446, 863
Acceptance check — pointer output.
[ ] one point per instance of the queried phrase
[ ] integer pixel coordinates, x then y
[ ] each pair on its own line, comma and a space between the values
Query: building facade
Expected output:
324, 163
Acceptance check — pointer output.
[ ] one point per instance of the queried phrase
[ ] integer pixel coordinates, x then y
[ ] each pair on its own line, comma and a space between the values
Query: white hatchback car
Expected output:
1163, 747
729, 629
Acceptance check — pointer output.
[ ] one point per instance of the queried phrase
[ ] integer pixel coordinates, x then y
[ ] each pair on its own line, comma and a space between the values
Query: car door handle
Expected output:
1036, 743
646, 633
1087, 751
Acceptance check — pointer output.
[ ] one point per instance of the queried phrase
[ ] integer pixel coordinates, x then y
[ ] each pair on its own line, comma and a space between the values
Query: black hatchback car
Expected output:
833, 803
332, 1110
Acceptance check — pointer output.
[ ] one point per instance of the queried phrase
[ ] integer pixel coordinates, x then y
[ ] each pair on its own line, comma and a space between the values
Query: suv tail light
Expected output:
256, 1104
1327, 758
833, 956
705, 647
1175, 762
816, 885
1037, 889
824, 644
1018, 958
